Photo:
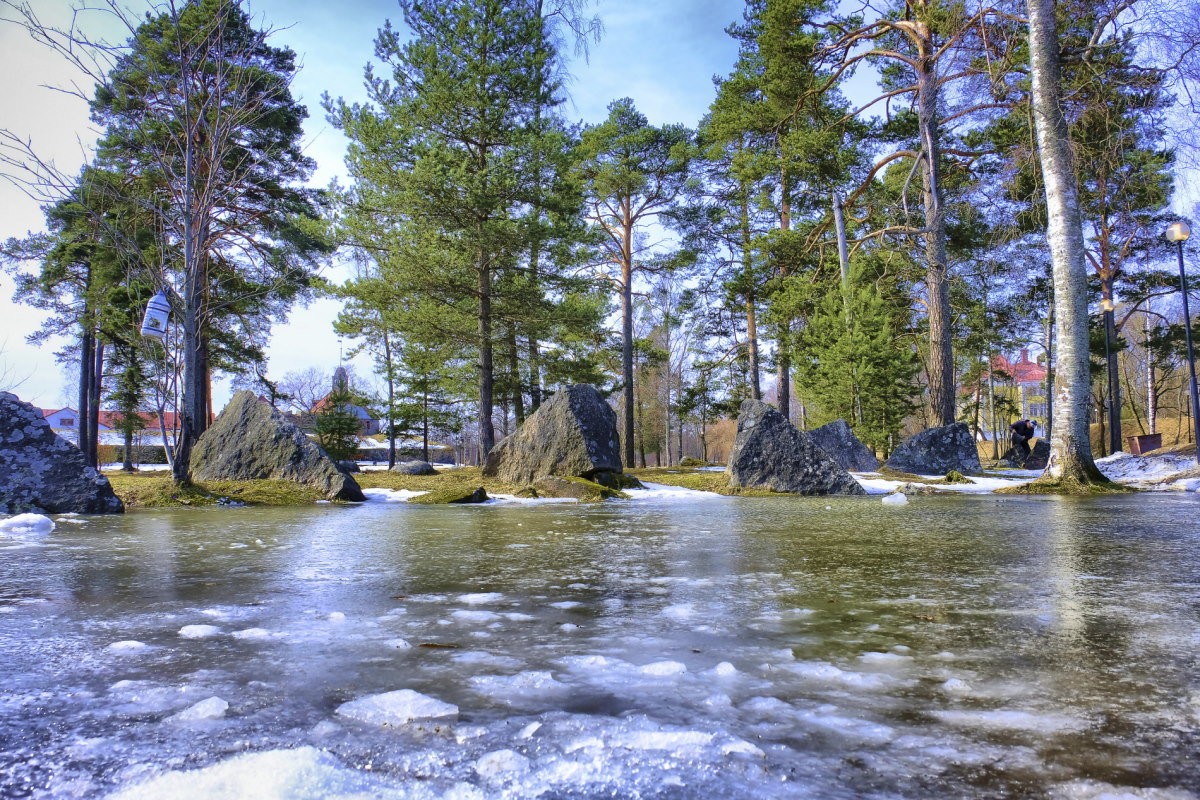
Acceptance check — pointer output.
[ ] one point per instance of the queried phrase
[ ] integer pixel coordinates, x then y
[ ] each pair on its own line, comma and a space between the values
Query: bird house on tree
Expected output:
158, 311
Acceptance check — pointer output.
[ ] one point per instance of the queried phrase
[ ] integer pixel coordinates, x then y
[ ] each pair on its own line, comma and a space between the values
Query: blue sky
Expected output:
662, 53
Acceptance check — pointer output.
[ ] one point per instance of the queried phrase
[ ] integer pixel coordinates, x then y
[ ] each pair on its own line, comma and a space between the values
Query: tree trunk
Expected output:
1050, 354
1151, 382
535, 375
127, 461
1071, 449
487, 376
514, 369
425, 428
1114, 383
627, 336
751, 313
784, 389
94, 404
87, 363
839, 224
390, 419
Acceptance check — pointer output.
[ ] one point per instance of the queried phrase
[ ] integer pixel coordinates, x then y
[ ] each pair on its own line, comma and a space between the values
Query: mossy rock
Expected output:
527, 492
954, 476
692, 462
452, 494
1067, 486
581, 489
616, 480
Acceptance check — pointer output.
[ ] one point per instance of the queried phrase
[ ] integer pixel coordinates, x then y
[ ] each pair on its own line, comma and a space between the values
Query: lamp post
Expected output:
1108, 307
1179, 233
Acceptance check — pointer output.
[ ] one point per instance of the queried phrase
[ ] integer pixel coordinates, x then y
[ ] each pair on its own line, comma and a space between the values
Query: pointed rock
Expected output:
253, 441
41, 471
573, 434
839, 441
770, 453
937, 451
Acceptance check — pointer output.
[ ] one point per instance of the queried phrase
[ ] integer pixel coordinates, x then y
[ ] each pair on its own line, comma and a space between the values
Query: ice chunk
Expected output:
956, 686
663, 740
895, 499
336, 616
532, 684
662, 669
305, 773
1002, 719
252, 633
211, 708
885, 659
564, 604
27, 523
480, 598
397, 708
199, 631
474, 616
741, 747
724, 670
499, 763
681, 611
1095, 790
399, 644
126, 647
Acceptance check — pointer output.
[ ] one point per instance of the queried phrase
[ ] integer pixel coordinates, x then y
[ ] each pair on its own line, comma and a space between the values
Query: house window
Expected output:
67, 422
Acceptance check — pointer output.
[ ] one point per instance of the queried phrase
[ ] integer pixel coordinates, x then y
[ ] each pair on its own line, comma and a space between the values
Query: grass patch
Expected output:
701, 480
468, 478
158, 490
952, 477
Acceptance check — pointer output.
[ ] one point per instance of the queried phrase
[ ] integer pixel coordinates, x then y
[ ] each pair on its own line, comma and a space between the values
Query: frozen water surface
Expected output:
956, 646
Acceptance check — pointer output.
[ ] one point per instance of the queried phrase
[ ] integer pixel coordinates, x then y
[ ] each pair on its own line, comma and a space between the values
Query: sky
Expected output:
662, 53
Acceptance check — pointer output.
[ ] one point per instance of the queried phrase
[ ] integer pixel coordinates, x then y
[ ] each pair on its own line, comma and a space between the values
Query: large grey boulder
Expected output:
1038, 456
253, 441
839, 441
42, 472
937, 451
770, 453
573, 434
414, 468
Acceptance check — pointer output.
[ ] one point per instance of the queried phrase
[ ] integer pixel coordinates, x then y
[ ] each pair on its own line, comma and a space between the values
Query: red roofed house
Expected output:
1026, 380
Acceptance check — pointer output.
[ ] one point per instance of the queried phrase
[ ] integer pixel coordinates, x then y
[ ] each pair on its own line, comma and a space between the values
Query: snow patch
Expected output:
199, 631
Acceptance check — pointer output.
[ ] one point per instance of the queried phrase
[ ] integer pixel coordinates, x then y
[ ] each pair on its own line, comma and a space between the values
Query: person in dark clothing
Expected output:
1021, 432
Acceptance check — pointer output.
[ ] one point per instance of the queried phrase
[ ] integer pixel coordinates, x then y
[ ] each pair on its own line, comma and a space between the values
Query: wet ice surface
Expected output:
951, 647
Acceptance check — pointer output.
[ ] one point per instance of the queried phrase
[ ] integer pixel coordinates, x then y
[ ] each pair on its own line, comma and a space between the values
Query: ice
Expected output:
212, 708
675, 741
397, 708
680, 611
27, 523
199, 631
499, 763
252, 633
399, 644
664, 669
304, 773
895, 499
474, 616
886, 660
724, 670
127, 647
1012, 720
672, 494
1095, 790
524, 686
956, 686
480, 598
390, 495
828, 673
485, 658
336, 616
566, 604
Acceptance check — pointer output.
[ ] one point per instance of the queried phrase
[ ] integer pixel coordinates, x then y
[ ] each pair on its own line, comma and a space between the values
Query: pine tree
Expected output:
336, 425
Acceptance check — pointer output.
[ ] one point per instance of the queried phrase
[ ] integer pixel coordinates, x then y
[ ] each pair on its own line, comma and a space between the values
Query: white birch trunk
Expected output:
1070, 447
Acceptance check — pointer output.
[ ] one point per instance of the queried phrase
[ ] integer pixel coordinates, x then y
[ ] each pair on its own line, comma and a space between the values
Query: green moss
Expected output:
954, 476
592, 492
693, 462
1067, 486
701, 480
158, 490
452, 494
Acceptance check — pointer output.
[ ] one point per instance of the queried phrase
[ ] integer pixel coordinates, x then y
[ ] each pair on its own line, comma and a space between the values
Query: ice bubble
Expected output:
397, 708
480, 598
516, 616
895, 499
199, 631
500, 762
211, 708
126, 647
27, 523
567, 627
336, 616
724, 670
399, 644
252, 633
566, 604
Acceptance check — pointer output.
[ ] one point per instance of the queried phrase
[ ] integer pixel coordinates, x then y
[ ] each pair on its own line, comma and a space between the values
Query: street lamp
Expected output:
1179, 233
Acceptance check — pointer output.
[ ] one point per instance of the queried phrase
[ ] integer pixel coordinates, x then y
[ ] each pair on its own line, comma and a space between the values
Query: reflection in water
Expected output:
731, 647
